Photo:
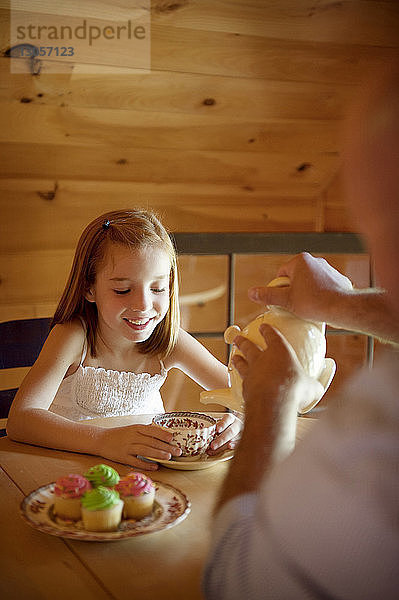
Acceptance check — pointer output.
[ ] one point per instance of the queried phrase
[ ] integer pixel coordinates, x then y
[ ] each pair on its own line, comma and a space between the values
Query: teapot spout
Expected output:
223, 396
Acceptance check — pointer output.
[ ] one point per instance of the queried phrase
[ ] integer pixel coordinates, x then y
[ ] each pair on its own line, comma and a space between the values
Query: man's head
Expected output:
371, 168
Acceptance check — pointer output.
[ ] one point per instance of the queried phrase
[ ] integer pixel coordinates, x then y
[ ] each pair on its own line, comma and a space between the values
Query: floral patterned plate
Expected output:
171, 506
196, 465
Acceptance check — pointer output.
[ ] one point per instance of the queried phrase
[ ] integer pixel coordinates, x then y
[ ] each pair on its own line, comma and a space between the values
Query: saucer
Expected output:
325, 379
196, 465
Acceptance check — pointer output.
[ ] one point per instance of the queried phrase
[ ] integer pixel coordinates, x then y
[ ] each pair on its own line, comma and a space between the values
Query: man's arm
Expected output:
319, 292
244, 559
273, 381
274, 385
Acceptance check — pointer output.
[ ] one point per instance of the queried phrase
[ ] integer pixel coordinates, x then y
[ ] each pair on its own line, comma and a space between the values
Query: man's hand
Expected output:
274, 384
270, 376
314, 292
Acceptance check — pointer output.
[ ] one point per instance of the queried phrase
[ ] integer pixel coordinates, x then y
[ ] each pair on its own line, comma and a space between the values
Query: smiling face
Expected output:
131, 292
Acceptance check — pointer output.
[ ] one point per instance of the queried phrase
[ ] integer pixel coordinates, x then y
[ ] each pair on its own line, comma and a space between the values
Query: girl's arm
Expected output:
199, 364
31, 422
191, 357
29, 419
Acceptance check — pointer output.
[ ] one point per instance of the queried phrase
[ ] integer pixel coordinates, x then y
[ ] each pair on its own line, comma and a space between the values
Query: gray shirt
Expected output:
325, 523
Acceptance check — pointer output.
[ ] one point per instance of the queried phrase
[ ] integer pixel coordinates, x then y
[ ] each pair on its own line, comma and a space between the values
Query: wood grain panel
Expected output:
233, 97
199, 275
325, 21
361, 21
337, 216
236, 128
34, 277
185, 50
76, 126
40, 24
44, 214
218, 53
161, 166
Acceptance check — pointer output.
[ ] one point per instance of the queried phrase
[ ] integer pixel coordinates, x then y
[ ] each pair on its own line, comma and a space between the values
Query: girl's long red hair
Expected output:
133, 229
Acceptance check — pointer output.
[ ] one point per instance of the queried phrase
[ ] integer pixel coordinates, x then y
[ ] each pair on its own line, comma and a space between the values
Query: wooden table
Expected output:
159, 566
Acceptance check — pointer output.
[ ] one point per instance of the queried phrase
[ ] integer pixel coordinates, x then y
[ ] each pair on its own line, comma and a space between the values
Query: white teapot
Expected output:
307, 339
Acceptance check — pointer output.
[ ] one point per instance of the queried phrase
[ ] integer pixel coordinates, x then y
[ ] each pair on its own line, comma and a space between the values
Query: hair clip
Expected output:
106, 224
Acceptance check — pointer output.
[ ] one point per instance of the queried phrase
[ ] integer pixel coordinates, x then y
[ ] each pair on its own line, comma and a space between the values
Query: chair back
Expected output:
20, 345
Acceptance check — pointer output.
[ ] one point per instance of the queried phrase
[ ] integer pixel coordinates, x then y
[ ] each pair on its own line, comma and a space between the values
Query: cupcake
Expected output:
137, 492
101, 509
102, 475
68, 493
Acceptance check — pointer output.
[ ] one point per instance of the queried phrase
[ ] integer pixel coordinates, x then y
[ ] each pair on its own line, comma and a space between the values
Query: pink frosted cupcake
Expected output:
137, 492
68, 494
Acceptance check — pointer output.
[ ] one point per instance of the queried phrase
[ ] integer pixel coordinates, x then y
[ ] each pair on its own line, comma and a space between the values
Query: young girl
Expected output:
115, 336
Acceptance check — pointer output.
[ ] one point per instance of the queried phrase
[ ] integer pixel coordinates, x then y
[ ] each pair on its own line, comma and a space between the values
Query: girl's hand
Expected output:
127, 444
228, 430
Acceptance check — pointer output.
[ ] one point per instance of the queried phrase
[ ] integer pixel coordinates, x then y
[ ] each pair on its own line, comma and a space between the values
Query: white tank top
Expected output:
92, 392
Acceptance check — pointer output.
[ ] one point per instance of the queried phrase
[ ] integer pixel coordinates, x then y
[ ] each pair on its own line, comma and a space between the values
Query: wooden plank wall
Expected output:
236, 128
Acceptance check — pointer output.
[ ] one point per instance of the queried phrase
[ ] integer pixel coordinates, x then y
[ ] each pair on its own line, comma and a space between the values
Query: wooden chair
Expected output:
20, 345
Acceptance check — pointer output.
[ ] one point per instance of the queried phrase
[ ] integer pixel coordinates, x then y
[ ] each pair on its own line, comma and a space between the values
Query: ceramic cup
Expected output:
192, 432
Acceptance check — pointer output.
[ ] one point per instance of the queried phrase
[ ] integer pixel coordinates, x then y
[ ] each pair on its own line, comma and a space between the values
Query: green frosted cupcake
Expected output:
102, 475
101, 509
